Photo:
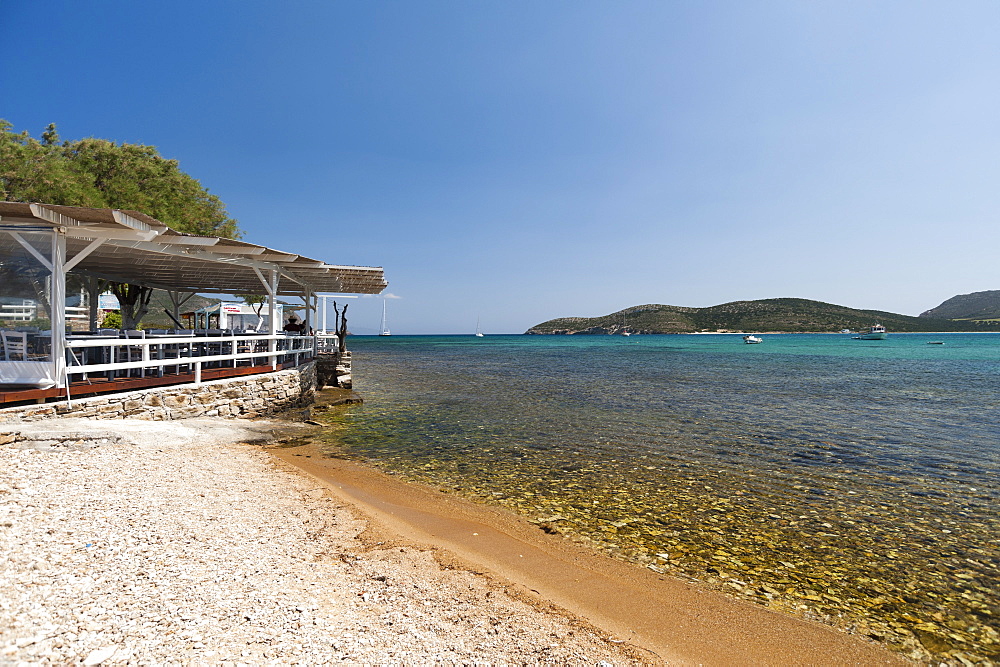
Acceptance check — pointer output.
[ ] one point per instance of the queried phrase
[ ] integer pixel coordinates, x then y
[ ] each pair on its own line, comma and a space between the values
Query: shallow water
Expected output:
852, 480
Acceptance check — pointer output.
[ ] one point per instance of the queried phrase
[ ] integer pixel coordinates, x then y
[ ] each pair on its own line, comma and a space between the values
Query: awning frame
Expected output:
131, 247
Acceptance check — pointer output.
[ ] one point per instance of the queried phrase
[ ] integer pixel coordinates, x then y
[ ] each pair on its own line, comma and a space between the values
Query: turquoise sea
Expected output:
853, 481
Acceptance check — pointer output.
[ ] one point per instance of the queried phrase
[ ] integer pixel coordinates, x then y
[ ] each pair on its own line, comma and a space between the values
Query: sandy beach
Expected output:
177, 542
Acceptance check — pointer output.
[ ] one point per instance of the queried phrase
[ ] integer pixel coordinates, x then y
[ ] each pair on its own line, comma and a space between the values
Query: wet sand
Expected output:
668, 619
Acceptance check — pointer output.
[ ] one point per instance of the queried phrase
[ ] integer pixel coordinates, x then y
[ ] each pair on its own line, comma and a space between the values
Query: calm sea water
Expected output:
852, 480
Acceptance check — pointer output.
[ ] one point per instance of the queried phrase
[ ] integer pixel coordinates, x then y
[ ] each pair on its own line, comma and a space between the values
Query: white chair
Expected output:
15, 347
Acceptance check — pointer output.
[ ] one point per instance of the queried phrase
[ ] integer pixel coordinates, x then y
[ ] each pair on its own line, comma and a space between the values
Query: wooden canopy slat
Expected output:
142, 250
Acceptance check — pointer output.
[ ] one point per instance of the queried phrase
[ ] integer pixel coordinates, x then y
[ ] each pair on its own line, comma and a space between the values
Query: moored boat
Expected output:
750, 339
875, 332
383, 329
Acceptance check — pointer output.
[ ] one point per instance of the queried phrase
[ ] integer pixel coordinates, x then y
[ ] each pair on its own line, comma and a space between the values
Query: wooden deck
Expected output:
96, 386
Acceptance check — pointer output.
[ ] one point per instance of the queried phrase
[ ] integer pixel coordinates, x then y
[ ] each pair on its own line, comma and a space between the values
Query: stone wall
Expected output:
245, 396
334, 370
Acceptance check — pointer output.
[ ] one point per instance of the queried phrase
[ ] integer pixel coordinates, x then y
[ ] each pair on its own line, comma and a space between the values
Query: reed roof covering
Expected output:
135, 248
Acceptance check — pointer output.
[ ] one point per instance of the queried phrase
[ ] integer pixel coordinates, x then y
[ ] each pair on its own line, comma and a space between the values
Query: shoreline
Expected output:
204, 541
128, 541
668, 619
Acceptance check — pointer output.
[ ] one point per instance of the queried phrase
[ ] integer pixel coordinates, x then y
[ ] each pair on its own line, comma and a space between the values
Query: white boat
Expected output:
750, 339
846, 331
875, 332
624, 331
479, 332
384, 328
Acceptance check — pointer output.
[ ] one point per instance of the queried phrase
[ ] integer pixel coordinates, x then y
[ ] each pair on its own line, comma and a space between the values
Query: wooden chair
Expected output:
15, 347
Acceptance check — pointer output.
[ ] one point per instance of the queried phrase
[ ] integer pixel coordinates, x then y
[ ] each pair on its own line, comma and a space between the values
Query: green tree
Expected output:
38, 171
105, 174
134, 302
112, 320
130, 176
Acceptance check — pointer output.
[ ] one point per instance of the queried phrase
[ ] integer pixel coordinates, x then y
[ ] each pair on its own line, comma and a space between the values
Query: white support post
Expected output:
57, 306
314, 309
272, 295
307, 302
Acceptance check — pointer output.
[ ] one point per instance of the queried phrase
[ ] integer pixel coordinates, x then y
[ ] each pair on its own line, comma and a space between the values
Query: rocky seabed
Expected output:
168, 543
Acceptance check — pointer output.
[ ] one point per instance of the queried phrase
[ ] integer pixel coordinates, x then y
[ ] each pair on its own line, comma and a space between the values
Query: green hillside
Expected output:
155, 318
766, 315
975, 306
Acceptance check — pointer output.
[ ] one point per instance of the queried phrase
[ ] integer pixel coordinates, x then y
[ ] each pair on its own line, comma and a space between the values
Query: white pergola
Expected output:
130, 247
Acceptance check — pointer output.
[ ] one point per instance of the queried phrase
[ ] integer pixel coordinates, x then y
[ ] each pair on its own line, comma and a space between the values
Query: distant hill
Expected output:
975, 306
766, 315
155, 318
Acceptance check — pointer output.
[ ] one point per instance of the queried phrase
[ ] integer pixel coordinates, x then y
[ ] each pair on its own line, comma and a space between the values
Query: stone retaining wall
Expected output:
333, 370
245, 396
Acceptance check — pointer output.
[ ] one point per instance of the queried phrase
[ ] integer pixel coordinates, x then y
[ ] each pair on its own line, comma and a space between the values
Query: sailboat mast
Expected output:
384, 331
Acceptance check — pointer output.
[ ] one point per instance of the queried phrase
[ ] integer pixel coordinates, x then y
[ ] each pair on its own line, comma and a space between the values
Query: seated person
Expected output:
293, 324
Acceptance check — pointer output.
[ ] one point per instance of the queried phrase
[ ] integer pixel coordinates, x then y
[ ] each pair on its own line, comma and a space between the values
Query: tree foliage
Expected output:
104, 174
113, 320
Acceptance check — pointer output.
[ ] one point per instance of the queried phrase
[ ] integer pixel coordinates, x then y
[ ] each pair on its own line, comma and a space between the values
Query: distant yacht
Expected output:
384, 328
875, 332
479, 332
624, 331
750, 339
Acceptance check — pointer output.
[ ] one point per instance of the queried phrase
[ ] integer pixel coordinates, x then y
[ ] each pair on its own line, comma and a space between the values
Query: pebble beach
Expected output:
138, 542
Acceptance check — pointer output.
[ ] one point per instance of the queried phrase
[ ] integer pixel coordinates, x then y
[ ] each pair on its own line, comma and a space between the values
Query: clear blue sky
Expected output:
520, 161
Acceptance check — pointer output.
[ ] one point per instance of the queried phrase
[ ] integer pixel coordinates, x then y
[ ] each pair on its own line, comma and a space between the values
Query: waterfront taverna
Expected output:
56, 358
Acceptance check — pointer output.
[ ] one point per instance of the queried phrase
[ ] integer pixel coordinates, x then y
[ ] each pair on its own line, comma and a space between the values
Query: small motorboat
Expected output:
875, 332
935, 342
750, 339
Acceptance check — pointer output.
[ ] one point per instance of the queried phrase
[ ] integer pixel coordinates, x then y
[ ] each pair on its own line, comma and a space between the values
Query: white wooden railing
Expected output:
156, 353
326, 343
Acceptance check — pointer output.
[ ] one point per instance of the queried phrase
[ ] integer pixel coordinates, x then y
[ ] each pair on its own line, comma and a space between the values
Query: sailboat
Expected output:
624, 331
479, 332
384, 329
